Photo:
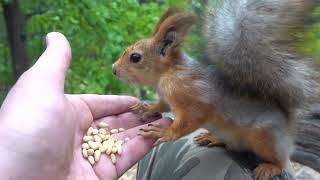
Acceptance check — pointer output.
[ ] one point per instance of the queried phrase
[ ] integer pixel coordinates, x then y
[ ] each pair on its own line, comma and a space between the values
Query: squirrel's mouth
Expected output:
128, 80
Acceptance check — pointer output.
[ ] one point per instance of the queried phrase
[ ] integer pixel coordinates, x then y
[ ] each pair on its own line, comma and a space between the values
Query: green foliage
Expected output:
311, 37
311, 45
98, 32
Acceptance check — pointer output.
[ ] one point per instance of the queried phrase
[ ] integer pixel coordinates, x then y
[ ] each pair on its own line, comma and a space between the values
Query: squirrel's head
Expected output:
145, 61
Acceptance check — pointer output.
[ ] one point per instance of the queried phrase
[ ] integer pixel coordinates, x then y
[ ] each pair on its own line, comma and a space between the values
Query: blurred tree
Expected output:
15, 24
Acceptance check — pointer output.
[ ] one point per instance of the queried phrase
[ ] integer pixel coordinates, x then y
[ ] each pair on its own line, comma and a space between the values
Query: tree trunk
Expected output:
15, 23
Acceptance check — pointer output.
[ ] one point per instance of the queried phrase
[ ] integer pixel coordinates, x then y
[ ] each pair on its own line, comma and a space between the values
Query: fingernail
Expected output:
52, 36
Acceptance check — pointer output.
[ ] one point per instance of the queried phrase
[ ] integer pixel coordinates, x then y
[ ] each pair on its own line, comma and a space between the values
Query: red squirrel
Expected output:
248, 92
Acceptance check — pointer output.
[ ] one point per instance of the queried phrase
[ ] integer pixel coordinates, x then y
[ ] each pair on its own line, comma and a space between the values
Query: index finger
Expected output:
107, 105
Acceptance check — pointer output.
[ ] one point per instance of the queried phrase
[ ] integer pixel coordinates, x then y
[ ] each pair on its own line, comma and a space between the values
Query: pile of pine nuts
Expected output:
99, 141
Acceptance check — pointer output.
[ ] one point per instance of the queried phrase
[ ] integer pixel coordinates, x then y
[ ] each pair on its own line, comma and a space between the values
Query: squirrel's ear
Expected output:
172, 30
171, 11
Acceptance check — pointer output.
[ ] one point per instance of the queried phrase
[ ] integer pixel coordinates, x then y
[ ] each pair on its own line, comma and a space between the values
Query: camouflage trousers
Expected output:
182, 159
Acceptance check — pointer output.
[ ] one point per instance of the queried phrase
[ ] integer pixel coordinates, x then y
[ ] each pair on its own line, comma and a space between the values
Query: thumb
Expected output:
51, 67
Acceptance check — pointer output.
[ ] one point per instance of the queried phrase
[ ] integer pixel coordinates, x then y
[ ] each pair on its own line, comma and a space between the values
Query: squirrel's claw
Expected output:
142, 109
159, 141
139, 108
207, 139
157, 131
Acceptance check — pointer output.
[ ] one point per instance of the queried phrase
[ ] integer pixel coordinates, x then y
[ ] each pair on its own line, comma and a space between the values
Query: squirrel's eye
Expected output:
135, 57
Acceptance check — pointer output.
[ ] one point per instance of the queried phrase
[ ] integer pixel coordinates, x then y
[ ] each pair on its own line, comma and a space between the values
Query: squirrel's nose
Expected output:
114, 69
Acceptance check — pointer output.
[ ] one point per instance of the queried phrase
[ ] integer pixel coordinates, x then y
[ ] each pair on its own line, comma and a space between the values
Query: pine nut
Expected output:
114, 150
89, 132
103, 137
91, 160
90, 152
98, 141
85, 153
109, 149
97, 138
114, 131
95, 131
119, 148
103, 148
87, 138
113, 158
111, 142
85, 146
93, 145
103, 131
97, 155
103, 125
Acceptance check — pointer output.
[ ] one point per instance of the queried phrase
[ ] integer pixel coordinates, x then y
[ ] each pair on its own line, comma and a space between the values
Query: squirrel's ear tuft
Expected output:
171, 11
171, 32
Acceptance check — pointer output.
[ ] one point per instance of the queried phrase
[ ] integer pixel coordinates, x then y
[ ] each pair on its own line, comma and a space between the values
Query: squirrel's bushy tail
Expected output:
249, 43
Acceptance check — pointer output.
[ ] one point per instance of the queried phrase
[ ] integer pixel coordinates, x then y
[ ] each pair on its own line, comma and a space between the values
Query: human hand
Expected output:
42, 128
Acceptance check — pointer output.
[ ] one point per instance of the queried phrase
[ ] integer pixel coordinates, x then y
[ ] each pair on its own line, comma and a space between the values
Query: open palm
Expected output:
42, 128
113, 110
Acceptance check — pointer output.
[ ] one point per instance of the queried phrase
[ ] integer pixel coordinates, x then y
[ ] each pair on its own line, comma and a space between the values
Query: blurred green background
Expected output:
98, 30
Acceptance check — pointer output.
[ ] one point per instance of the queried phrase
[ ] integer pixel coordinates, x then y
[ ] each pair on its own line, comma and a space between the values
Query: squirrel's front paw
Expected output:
144, 110
207, 139
156, 130
139, 108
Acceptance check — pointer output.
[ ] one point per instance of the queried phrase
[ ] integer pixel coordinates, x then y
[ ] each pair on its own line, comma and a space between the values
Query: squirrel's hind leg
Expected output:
265, 171
264, 145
